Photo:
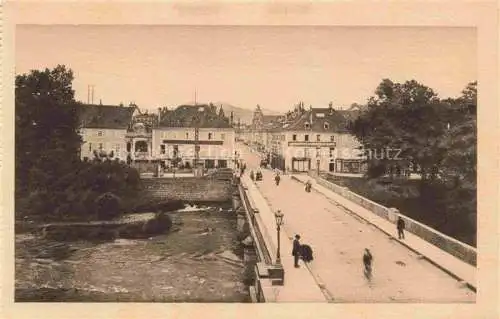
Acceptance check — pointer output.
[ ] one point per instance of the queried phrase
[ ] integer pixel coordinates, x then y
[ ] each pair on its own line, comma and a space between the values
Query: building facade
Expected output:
189, 129
104, 129
314, 139
169, 138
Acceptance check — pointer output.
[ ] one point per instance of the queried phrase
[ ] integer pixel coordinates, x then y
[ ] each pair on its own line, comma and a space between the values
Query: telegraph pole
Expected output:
90, 94
196, 142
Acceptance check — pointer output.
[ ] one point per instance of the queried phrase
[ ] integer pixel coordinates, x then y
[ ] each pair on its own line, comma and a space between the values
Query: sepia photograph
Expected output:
246, 164
226, 160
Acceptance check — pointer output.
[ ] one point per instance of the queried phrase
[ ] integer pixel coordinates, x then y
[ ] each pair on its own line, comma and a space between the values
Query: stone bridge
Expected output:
425, 266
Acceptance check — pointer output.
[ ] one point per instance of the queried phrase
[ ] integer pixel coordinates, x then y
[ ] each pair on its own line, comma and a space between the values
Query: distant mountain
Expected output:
245, 115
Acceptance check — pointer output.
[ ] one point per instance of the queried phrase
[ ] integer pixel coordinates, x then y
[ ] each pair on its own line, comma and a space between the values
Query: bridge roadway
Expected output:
338, 239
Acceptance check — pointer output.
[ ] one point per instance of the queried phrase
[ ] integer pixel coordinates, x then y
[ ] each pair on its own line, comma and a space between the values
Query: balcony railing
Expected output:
312, 144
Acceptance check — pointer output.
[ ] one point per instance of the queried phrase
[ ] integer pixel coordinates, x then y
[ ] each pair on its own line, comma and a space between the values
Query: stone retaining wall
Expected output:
450, 245
193, 189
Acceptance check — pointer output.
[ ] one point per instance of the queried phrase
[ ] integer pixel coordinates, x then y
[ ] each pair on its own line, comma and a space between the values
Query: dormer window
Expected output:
326, 126
307, 126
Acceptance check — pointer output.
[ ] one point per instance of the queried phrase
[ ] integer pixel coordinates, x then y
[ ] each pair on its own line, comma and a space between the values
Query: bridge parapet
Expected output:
446, 243
265, 272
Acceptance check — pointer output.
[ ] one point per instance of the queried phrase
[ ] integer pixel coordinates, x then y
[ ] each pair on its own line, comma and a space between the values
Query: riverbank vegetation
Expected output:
433, 137
51, 182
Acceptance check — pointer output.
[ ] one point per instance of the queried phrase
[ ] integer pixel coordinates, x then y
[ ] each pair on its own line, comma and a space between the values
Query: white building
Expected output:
168, 139
173, 140
104, 129
315, 138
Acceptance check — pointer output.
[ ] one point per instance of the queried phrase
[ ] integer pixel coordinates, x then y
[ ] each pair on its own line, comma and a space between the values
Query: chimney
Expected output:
159, 115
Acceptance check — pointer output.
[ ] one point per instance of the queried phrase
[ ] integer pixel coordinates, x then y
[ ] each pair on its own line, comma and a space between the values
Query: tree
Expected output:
459, 167
405, 120
47, 142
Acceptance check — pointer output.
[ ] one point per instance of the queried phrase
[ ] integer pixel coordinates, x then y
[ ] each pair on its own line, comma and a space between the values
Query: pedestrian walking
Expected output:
401, 228
296, 251
367, 262
277, 178
308, 186
252, 175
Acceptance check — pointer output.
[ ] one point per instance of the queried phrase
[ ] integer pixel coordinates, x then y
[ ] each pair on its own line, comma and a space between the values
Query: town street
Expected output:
338, 239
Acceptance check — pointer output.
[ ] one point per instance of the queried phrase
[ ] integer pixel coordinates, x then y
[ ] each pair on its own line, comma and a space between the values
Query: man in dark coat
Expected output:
401, 228
296, 251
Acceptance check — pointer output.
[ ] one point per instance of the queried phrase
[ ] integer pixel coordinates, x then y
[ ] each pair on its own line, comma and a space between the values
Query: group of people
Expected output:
256, 176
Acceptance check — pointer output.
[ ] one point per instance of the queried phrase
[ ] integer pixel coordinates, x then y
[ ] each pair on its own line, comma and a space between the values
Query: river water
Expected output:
200, 260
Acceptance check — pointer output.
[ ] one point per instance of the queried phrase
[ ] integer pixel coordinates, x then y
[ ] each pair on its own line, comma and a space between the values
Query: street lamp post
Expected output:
318, 150
279, 222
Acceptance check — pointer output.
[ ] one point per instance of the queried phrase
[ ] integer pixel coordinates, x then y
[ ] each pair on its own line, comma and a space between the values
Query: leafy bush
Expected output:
93, 189
108, 206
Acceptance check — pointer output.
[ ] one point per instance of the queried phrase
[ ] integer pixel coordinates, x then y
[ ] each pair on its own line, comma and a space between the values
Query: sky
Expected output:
273, 66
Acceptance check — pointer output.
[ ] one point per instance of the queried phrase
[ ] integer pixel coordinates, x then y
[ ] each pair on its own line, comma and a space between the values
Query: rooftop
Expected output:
207, 116
105, 116
315, 120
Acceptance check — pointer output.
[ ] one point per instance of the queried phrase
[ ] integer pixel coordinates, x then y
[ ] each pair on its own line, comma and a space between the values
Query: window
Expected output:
307, 126
100, 133
162, 149
100, 146
306, 137
90, 147
176, 150
318, 137
294, 137
332, 138
187, 135
326, 126
331, 151
209, 136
